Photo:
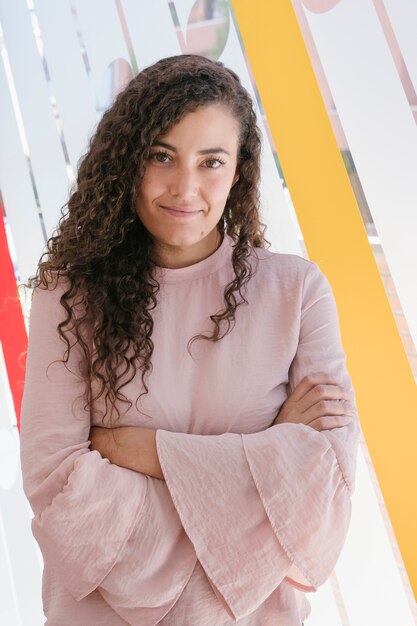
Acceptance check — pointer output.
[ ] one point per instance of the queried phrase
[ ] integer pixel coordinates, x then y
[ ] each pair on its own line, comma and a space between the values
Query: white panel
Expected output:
23, 573
276, 212
45, 149
403, 16
9, 613
380, 129
75, 101
16, 188
183, 9
143, 21
102, 35
9, 465
367, 571
24, 565
324, 611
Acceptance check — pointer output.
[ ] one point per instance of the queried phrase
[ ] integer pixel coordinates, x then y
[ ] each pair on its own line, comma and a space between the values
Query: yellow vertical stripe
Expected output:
336, 239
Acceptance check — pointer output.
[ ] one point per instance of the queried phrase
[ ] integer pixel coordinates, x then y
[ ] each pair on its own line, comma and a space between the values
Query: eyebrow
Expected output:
205, 151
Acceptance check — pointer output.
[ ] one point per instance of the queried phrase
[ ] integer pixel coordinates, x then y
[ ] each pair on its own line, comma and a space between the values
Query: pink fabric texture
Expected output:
250, 516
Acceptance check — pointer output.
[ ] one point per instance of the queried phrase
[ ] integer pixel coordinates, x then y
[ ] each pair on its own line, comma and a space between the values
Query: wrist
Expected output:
135, 449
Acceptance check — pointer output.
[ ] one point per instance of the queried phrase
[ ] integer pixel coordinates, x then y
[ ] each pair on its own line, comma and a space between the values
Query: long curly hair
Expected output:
102, 251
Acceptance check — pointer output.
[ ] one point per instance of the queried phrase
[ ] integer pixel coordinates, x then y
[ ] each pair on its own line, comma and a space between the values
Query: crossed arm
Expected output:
132, 447
288, 472
317, 401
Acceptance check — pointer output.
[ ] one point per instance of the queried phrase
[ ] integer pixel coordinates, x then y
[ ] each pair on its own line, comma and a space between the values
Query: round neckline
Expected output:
197, 270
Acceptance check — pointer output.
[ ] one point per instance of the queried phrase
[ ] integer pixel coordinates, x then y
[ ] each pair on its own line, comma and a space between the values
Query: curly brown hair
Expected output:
101, 249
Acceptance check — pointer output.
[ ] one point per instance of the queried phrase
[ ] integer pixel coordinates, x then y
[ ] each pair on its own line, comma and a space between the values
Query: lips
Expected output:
180, 211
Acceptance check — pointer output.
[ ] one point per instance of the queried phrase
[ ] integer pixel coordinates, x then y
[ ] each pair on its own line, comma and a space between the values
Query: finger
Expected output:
324, 408
323, 392
310, 381
328, 422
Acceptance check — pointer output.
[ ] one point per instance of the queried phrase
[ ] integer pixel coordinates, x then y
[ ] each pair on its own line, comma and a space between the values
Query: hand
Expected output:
317, 401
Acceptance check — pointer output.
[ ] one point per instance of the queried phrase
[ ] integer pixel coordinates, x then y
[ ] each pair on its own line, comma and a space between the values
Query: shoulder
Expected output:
286, 266
46, 296
290, 276
54, 298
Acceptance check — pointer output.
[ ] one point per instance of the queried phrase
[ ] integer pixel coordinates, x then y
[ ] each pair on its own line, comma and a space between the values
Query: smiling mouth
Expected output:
180, 212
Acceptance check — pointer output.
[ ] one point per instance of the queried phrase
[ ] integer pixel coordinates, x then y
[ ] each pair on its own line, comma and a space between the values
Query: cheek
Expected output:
151, 186
218, 188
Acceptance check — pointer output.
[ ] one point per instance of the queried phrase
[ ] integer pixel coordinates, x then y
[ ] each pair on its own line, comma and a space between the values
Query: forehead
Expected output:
210, 124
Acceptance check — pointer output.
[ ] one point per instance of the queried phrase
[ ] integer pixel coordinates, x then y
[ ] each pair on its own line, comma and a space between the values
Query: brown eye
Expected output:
159, 156
215, 160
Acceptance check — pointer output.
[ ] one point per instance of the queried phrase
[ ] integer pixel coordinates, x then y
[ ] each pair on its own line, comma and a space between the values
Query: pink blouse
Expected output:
250, 516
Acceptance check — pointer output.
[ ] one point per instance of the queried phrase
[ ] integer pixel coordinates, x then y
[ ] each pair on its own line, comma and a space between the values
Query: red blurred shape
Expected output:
13, 335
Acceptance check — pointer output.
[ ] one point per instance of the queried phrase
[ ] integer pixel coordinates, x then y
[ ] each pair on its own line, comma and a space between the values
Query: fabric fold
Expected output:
250, 516
276, 504
309, 507
219, 507
98, 525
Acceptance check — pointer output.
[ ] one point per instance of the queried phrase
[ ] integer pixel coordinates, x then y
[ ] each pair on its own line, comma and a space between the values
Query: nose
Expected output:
184, 182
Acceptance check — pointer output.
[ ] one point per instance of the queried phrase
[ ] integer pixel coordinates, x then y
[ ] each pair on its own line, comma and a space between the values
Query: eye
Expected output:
154, 156
215, 160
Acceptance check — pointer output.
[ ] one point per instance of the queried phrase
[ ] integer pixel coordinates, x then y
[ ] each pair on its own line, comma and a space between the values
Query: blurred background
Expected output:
62, 63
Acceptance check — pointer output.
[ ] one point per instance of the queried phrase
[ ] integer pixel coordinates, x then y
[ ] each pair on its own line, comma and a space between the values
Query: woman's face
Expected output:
188, 176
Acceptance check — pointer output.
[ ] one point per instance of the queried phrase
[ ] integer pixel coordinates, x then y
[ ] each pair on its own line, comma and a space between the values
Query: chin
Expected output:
179, 240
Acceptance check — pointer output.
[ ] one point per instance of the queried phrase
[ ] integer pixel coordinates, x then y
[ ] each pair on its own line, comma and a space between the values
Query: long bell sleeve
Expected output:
272, 505
98, 525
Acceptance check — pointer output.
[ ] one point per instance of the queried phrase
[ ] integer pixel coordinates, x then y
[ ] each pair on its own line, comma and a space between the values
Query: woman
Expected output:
188, 429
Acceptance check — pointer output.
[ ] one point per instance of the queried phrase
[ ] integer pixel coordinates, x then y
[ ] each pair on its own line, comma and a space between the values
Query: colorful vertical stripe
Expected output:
336, 239
13, 334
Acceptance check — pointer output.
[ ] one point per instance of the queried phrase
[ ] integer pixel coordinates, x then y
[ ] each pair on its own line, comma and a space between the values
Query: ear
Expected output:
235, 179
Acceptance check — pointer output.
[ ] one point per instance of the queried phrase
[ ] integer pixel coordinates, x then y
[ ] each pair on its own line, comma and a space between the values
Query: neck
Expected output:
175, 257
